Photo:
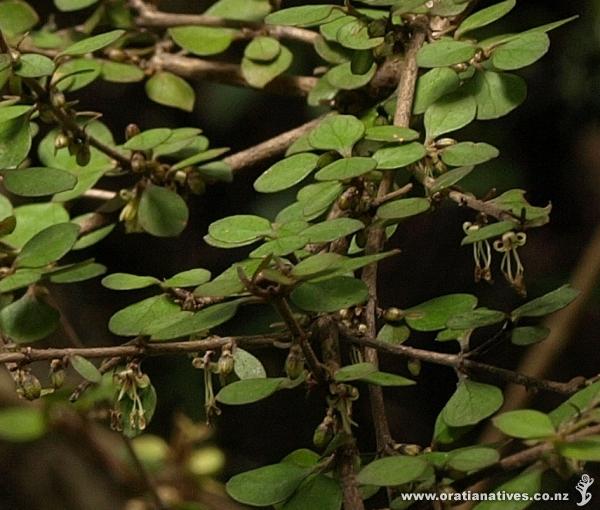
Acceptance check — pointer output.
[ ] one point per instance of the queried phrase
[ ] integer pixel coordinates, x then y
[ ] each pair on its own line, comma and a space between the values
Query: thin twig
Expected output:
458, 362
230, 74
376, 235
149, 16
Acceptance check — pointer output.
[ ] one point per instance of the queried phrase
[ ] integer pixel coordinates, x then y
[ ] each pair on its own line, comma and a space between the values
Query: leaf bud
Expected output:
131, 130
58, 99
226, 363
393, 314
30, 386
61, 141
294, 363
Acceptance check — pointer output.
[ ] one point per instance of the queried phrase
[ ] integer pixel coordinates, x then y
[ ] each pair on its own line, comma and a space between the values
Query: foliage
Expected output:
315, 262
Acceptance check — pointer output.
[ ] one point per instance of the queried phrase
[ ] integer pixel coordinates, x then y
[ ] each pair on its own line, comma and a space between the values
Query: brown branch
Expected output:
230, 74
269, 148
468, 200
376, 235
29, 354
149, 16
352, 497
520, 459
459, 363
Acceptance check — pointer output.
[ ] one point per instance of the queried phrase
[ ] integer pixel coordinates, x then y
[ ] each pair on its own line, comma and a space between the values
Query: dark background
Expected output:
549, 146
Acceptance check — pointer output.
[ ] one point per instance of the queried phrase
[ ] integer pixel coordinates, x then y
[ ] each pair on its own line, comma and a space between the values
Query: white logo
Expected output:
582, 487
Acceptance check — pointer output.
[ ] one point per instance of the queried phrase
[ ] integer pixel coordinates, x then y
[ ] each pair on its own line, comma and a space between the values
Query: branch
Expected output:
458, 362
468, 200
230, 74
269, 148
520, 459
149, 16
29, 354
376, 236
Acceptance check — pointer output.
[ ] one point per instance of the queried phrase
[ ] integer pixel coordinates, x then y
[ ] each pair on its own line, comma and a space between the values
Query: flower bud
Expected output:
131, 130
414, 367
61, 141
196, 183
83, 155
30, 386
58, 100
392, 314
294, 363
226, 363
138, 162
322, 435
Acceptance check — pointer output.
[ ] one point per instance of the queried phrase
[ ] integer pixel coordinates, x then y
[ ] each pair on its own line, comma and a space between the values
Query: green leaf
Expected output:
228, 282
92, 44
331, 52
546, 304
391, 134
240, 228
316, 198
16, 17
586, 449
286, 173
189, 278
472, 458
354, 372
521, 51
170, 90
389, 471
433, 85
478, 318
204, 320
259, 74
28, 319
19, 279
392, 158
403, 208
525, 424
137, 318
94, 237
485, 16
449, 113
202, 40
331, 230
528, 335
317, 492
576, 404
435, 313
330, 295
149, 139
34, 218
263, 49
78, 273
471, 403
342, 77
387, 379
450, 178
488, 232
497, 94
355, 35
393, 334
32, 65
302, 16
198, 158
13, 111
85, 368
118, 72
528, 482
346, 168
280, 247
243, 10
337, 132
247, 366
318, 264
15, 141
38, 181
73, 5
162, 212
48, 245
76, 74
125, 281
22, 424
468, 153
248, 391
514, 201
445, 52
